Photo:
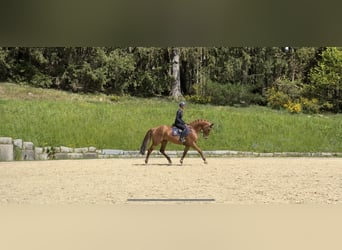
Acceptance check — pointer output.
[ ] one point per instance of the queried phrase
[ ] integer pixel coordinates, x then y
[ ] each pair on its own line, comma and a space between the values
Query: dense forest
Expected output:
299, 79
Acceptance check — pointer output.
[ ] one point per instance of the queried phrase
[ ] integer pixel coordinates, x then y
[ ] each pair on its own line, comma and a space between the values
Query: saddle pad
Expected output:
176, 131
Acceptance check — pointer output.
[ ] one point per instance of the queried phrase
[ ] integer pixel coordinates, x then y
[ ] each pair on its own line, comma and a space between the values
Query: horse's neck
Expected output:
197, 125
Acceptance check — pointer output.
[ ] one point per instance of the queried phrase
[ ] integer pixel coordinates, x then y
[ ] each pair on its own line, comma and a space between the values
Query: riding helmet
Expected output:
181, 104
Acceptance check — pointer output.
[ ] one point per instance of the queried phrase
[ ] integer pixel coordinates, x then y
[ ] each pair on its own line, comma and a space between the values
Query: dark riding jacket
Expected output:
179, 119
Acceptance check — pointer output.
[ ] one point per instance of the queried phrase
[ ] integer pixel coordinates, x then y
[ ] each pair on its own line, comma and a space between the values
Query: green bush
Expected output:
276, 99
293, 107
198, 99
295, 98
311, 106
285, 94
41, 80
232, 94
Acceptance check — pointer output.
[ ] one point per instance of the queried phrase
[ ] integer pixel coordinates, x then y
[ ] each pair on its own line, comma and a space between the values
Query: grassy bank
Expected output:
49, 117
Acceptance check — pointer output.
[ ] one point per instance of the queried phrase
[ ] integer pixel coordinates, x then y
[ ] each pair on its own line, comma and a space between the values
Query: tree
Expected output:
119, 68
175, 80
4, 66
326, 79
152, 72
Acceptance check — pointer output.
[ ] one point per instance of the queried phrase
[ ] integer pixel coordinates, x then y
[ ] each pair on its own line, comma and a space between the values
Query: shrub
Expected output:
198, 99
310, 106
41, 80
287, 94
286, 97
293, 107
114, 98
277, 99
231, 94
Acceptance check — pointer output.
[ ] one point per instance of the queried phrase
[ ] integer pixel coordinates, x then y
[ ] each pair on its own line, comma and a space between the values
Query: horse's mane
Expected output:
198, 121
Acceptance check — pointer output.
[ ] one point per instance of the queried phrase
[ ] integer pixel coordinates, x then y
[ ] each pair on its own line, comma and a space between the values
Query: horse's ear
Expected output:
211, 125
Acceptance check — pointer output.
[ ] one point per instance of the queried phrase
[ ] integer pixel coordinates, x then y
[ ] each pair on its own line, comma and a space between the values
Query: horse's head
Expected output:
203, 126
206, 130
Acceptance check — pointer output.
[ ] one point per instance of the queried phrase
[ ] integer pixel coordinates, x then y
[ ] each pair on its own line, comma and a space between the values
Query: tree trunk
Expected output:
175, 82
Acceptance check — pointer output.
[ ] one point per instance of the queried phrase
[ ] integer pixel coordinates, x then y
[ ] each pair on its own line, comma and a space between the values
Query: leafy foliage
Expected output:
326, 79
218, 75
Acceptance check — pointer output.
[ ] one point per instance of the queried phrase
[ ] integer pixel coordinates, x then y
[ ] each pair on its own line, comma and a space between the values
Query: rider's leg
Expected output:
182, 135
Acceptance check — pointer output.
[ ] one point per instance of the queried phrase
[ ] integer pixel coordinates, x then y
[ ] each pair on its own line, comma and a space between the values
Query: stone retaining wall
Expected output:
17, 149
6, 149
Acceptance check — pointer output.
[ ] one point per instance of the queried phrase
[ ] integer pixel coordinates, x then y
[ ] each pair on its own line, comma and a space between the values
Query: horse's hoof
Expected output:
205, 162
181, 161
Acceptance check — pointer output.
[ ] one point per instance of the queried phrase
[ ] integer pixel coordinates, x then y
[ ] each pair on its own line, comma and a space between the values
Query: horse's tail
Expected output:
145, 142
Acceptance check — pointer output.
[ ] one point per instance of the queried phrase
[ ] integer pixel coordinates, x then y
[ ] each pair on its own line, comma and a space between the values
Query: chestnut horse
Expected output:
163, 134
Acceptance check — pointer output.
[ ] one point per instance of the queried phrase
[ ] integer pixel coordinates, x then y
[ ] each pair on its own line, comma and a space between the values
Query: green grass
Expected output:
54, 118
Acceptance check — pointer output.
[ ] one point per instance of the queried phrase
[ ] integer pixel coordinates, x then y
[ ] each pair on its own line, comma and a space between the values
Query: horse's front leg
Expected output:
186, 149
200, 152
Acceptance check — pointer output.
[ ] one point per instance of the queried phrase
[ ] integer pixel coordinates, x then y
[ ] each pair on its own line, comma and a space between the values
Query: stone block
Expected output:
75, 155
6, 140
42, 156
305, 154
61, 156
132, 153
279, 154
90, 155
18, 143
100, 156
27, 155
266, 155
66, 149
219, 152
112, 152
170, 153
81, 150
293, 154
192, 152
28, 145
38, 150
92, 149
6, 152
56, 149
246, 153
232, 152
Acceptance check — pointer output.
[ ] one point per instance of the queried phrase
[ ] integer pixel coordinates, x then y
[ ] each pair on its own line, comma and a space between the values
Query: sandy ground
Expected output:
223, 180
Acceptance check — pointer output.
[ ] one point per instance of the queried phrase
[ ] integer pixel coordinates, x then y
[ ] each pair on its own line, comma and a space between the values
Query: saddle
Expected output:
177, 131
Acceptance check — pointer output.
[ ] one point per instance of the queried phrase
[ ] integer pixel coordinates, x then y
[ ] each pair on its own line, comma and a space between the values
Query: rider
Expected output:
179, 123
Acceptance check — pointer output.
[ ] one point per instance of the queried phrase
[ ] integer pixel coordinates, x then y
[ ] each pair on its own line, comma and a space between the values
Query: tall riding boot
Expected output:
181, 138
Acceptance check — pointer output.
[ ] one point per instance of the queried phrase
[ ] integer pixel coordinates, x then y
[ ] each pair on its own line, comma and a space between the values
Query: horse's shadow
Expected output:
161, 164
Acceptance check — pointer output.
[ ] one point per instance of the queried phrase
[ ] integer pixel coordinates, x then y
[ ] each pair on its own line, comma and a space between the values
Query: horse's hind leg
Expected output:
149, 151
162, 150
